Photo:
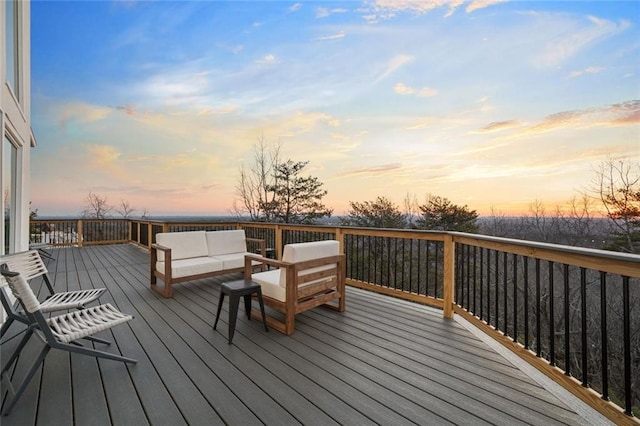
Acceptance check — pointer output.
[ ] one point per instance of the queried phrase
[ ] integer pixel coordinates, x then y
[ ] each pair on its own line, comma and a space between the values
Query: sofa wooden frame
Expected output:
301, 297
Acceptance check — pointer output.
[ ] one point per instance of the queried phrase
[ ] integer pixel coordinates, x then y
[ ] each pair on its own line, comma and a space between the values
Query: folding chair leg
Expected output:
97, 339
17, 351
7, 323
13, 395
93, 352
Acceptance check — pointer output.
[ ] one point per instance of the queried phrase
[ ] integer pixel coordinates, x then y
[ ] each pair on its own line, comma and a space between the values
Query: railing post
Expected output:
278, 232
340, 239
80, 233
449, 275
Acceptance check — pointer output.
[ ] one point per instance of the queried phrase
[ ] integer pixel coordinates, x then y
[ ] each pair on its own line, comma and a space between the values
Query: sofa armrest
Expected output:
263, 261
261, 243
156, 246
167, 260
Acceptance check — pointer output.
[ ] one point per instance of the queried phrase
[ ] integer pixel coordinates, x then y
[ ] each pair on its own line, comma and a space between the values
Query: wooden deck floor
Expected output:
383, 361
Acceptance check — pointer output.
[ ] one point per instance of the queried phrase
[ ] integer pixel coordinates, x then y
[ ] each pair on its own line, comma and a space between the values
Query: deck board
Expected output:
383, 361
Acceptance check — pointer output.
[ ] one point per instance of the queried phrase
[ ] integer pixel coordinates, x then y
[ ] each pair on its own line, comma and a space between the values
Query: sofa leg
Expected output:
165, 292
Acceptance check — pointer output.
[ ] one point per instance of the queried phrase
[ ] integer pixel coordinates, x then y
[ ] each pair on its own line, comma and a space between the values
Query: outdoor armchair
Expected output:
309, 275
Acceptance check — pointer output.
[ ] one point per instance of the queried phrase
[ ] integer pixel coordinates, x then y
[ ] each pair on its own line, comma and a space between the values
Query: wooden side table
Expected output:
236, 289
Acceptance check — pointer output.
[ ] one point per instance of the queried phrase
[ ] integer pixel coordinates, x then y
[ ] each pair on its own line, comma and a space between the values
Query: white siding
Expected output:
15, 119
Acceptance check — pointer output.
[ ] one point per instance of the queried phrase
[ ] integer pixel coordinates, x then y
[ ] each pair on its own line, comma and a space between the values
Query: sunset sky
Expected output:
488, 103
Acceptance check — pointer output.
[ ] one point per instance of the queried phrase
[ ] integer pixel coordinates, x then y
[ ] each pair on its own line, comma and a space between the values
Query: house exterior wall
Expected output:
15, 122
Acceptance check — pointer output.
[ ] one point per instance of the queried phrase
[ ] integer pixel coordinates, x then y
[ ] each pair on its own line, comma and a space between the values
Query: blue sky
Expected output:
493, 104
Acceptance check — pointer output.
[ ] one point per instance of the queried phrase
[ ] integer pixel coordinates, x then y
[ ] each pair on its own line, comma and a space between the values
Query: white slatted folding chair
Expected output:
30, 265
57, 332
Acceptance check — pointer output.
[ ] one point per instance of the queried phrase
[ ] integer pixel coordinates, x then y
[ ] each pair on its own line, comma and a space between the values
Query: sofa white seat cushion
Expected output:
184, 245
192, 266
232, 260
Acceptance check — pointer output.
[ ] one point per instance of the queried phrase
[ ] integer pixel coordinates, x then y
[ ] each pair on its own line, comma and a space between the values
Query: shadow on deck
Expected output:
383, 361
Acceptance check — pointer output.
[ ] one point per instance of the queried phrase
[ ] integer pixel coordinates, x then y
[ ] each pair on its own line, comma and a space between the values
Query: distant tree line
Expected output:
273, 190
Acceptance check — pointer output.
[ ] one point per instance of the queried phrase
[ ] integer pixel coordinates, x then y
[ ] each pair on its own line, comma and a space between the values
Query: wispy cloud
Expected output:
268, 59
295, 7
481, 4
388, 9
499, 126
425, 92
622, 114
393, 65
337, 36
323, 12
374, 170
569, 42
80, 112
588, 70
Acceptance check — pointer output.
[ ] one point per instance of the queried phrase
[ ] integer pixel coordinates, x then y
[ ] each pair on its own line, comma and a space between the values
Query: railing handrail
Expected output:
614, 255
409, 233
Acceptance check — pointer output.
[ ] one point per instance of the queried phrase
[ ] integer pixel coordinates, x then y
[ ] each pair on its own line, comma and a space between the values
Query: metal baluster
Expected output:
402, 268
426, 293
538, 334
525, 266
504, 293
411, 266
497, 301
567, 325
376, 242
368, 250
604, 367
515, 297
583, 313
552, 328
475, 266
626, 310
488, 286
437, 263
481, 280
460, 275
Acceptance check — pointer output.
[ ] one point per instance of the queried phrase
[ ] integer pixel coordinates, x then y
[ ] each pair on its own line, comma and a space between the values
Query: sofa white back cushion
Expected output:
183, 245
225, 242
300, 252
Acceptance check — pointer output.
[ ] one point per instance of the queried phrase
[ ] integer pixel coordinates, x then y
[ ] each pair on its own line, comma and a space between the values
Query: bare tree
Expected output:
252, 190
411, 209
125, 209
96, 207
617, 186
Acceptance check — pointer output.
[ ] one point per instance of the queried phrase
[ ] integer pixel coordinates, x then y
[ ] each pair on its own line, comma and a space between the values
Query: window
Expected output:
12, 39
9, 164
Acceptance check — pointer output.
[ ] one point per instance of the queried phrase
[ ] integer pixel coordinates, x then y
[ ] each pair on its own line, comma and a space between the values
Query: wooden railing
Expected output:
571, 312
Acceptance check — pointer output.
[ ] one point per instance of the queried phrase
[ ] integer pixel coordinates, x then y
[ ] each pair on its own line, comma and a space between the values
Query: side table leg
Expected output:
220, 300
247, 305
234, 301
